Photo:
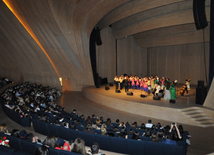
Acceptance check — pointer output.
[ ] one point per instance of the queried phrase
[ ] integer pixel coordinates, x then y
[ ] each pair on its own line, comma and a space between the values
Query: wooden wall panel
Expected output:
106, 55
132, 59
182, 62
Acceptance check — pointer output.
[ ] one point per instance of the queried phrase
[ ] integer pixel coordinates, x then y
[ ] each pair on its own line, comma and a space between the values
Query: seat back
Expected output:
73, 134
119, 145
135, 147
103, 141
63, 133
28, 146
87, 137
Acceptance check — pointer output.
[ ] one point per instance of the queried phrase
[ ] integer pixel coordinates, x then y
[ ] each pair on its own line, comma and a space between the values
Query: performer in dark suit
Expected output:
126, 84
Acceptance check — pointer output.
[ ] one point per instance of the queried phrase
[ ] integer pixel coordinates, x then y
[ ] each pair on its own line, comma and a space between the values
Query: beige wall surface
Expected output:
131, 59
179, 62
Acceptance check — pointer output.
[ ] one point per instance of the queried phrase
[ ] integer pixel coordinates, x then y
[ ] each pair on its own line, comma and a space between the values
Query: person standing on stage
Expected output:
141, 84
152, 83
116, 81
126, 84
133, 82
121, 78
187, 89
172, 90
137, 83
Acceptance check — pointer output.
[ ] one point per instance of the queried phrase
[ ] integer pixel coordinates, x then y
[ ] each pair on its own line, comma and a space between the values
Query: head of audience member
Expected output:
127, 123
154, 137
103, 126
148, 133
136, 135
15, 133
149, 121
51, 141
98, 122
72, 126
108, 121
130, 132
101, 119
158, 125
3, 128
95, 148
115, 129
123, 133
117, 121
180, 128
42, 150
153, 128
31, 138
142, 126
88, 127
79, 146
103, 131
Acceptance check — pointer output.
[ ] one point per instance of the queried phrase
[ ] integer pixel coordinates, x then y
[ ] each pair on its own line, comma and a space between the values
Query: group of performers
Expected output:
152, 84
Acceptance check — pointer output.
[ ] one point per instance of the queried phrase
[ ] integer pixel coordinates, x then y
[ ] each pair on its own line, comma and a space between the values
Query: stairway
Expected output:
197, 114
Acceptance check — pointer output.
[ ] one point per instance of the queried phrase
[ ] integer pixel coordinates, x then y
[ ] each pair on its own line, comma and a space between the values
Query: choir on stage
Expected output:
149, 85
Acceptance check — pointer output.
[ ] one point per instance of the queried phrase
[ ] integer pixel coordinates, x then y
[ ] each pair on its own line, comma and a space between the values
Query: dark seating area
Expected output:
115, 144
111, 143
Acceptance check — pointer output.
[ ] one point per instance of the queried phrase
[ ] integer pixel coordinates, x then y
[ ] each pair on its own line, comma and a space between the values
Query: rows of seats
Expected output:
19, 146
25, 121
114, 144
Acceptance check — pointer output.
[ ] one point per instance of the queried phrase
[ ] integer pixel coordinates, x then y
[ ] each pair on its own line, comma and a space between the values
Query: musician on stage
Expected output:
187, 89
126, 84
116, 81
121, 80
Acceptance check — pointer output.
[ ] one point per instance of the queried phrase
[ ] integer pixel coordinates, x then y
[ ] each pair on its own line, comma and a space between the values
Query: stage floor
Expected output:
181, 101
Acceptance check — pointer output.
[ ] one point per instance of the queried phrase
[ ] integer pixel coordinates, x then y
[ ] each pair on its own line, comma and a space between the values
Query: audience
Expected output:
42, 150
79, 146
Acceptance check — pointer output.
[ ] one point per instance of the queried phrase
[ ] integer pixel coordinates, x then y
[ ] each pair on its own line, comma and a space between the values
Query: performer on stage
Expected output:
172, 90
116, 81
126, 84
133, 83
137, 83
152, 83
121, 78
141, 84
167, 95
187, 89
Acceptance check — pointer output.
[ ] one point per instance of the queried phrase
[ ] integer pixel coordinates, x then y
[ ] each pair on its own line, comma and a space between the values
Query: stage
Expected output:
183, 111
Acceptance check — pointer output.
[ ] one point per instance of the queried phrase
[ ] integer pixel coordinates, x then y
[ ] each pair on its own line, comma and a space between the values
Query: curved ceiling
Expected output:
156, 23
59, 43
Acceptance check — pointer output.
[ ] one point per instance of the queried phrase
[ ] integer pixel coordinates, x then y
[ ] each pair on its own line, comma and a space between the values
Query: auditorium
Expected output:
107, 77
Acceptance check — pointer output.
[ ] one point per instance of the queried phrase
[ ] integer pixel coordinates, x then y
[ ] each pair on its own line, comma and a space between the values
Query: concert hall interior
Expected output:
80, 46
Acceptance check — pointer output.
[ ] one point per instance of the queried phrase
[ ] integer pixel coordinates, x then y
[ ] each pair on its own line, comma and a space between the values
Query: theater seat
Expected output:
119, 145
103, 141
135, 147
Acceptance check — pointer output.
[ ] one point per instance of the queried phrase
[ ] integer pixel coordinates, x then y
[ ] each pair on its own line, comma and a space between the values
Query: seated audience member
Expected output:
95, 149
97, 122
123, 133
154, 137
143, 127
34, 139
15, 133
149, 124
117, 121
51, 141
94, 126
79, 146
158, 125
148, 133
136, 135
175, 132
116, 129
42, 150
108, 122
153, 128
169, 140
3, 128
88, 129
122, 124
103, 131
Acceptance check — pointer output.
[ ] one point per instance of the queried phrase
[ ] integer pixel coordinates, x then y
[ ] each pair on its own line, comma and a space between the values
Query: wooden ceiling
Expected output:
155, 23
52, 39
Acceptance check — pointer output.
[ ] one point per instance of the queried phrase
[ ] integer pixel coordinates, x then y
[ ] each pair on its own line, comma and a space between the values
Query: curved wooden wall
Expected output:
61, 30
